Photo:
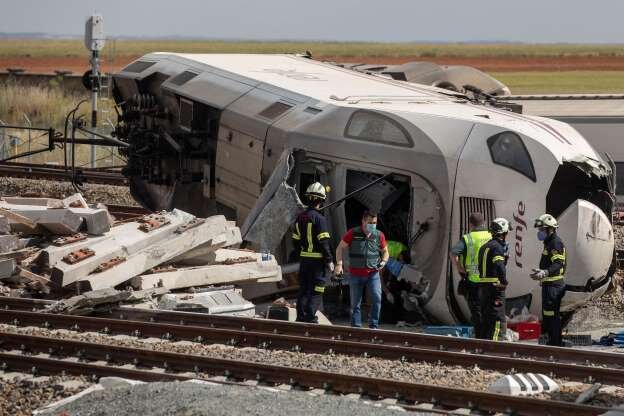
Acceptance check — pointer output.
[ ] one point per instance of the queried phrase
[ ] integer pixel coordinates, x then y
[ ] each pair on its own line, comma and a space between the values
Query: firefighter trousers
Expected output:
552, 293
493, 311
312, 280
474, 304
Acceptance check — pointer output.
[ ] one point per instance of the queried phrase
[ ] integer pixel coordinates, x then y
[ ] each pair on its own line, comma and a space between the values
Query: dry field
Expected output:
526, 68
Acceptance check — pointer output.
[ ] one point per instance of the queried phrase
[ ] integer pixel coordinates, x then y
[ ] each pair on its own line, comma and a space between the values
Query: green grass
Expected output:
60, 48
45, 106
568, 82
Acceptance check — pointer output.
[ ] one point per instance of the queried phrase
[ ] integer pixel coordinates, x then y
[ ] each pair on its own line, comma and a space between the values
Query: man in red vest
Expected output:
368, 254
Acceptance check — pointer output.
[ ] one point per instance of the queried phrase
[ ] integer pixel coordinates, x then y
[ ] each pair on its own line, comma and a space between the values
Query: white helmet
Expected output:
316, 190
546, 220
499, 226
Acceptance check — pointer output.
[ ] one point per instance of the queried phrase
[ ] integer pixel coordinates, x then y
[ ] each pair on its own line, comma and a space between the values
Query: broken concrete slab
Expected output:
90, 299
199, 256
158, 253
7, 268
258, 271
53, 253
43, 202
8, 242
232, 256
216, 302
97, 220
123, 241
5, 227
75, 201
56, 221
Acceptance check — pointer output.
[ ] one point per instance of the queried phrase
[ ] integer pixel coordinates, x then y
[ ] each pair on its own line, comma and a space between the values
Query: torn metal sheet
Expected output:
276, 209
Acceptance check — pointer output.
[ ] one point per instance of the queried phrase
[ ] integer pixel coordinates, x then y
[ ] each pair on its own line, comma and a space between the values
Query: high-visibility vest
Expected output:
395, 248
364, 252
474, 241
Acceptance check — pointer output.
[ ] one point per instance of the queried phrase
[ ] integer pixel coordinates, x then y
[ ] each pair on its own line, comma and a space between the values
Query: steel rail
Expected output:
267, 340
26, 170
336, 382
336, 332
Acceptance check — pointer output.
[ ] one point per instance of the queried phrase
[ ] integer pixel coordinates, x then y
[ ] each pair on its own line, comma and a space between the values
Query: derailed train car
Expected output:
220, 133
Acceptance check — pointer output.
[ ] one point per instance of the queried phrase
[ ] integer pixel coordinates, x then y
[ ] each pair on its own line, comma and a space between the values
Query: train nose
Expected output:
588, 235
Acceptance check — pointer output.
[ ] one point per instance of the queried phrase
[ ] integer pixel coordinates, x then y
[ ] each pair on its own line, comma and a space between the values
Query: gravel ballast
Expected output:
20, 395
195, 399
93, 193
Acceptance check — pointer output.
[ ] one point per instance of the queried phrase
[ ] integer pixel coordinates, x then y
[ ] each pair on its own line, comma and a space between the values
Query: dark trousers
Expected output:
474, 303
493, 311
552, 293
312, 280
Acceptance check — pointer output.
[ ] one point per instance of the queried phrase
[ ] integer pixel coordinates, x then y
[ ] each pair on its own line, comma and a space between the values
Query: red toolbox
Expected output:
526, 330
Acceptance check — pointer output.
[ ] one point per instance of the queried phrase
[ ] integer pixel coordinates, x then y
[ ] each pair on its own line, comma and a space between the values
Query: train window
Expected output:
507, 149
183, 78
138, 66
367, 125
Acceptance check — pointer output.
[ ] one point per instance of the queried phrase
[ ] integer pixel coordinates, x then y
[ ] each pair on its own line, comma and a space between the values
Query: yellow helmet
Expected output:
316, 190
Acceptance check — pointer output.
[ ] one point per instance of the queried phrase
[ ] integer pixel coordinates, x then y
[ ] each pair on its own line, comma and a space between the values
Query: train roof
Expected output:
339, 86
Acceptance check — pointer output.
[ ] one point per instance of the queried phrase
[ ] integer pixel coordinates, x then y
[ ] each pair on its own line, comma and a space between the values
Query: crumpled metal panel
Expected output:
276, 209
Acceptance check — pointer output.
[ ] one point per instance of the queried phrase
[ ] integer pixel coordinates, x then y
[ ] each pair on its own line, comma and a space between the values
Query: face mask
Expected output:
541, 235
371, 227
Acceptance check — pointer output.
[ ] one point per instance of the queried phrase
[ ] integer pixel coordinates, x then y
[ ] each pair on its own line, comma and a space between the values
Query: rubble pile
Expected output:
53, 248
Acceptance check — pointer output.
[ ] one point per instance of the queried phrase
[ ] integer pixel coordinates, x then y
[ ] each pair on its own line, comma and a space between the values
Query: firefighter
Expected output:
464, 255
493, 281
550, 274
311, 238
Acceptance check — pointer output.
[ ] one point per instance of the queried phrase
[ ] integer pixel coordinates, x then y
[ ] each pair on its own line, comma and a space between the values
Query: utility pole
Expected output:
94, 42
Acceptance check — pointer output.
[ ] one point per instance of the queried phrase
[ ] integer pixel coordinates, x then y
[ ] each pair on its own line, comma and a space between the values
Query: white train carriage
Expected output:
213, 133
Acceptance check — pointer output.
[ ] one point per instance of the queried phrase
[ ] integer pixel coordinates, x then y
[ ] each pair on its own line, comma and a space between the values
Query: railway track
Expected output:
45, 355
582, 365
84, 175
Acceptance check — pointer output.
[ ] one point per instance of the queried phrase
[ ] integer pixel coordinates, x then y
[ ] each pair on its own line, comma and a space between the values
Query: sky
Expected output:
532, 21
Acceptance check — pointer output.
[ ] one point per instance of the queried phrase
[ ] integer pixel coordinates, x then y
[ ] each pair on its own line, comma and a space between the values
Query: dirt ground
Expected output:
490, 64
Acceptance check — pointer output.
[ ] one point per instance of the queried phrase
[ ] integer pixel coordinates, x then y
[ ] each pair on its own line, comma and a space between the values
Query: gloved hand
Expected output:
330, 266
381, 265
390, 297
539, 274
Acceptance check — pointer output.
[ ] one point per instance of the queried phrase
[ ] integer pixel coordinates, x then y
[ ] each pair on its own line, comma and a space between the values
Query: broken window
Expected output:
507, 149
186, 114
390, 198
370, 126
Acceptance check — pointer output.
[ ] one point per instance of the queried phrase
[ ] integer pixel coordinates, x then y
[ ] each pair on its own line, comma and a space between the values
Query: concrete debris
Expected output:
52, 247
97, 221
256, 270
87, 302
54, 221
43, 202
5, 228
588, 394
524, 384
75, 201
218, 302
168, 246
